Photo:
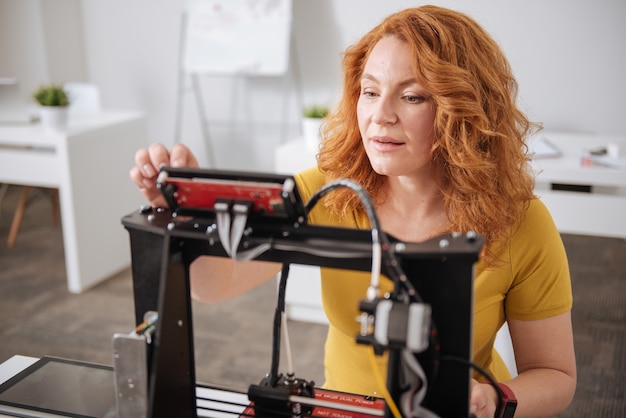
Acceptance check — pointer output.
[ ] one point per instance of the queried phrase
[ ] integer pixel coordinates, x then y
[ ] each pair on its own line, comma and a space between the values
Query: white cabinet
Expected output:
599, 205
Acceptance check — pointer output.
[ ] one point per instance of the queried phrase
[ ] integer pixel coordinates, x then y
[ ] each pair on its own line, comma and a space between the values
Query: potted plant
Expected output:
53, 106
313, 117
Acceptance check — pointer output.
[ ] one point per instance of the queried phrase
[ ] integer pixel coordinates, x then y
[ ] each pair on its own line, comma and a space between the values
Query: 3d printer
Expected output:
425, 324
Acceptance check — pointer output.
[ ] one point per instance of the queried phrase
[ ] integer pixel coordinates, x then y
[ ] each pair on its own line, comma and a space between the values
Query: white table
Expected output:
14, 365
89, 164
601, 212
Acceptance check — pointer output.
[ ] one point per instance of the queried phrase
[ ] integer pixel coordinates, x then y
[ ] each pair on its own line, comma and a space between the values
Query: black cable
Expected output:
394, 268
485, 374
280, 309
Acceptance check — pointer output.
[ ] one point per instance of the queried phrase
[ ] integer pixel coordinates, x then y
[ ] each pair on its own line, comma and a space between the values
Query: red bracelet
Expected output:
505, 408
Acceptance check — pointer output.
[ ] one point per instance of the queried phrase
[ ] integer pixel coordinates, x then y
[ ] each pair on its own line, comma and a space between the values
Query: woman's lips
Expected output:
383, 143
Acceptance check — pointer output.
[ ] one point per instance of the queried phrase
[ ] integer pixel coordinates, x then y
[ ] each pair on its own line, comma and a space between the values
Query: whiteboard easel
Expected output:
238, 38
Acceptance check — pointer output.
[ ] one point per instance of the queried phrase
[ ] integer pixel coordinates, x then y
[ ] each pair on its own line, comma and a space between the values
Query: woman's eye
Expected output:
368, 93
415, 99
367, 90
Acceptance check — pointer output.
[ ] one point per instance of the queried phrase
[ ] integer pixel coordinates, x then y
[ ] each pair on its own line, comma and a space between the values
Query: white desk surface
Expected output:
33, 135
567, 168
11, 367
14, 365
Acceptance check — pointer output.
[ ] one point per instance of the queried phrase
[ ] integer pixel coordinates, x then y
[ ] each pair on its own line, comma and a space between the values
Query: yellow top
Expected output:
534, 280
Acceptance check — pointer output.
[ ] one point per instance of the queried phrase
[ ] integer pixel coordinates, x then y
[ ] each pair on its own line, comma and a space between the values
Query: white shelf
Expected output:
8, 81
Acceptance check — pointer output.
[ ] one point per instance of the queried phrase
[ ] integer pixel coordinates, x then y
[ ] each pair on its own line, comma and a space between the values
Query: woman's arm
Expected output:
219, 278
544, 355
546, 381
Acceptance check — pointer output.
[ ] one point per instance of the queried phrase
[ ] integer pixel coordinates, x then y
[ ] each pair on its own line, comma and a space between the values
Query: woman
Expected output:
428, 124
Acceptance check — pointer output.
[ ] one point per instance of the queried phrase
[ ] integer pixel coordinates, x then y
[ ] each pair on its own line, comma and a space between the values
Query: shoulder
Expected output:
309, 182
536, 230
536, 236
539, 265
536, 216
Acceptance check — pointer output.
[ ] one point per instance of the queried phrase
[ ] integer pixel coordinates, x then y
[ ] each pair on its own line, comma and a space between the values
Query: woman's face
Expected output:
395, 114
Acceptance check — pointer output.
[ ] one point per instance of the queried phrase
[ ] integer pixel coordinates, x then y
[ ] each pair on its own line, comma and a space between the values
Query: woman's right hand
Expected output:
148, 163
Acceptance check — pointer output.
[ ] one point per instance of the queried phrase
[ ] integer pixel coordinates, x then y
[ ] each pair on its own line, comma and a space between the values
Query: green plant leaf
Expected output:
51, 95
315, 111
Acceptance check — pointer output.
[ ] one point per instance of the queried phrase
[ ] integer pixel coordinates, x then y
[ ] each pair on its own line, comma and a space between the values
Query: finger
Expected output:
143, 173
137, 177
146, 186
143, 160
142, 157
477, 398
150, 192
159, 157
181, 156
149, 162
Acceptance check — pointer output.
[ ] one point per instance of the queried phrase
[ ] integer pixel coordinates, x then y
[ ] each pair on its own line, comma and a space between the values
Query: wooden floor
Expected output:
233, 339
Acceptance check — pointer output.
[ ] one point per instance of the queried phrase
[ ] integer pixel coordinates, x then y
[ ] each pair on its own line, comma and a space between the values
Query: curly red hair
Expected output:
480, 132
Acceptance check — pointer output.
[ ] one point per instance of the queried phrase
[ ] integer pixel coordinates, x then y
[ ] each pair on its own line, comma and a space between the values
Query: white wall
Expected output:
40, 42
568, 57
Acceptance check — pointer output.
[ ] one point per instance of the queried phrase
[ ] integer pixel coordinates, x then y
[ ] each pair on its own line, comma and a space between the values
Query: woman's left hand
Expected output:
483, 400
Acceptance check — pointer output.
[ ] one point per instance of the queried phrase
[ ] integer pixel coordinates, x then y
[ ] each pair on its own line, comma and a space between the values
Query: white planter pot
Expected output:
311, 132
53, 119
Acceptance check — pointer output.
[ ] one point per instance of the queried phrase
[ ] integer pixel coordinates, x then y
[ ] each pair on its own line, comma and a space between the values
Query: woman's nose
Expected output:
384, 113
